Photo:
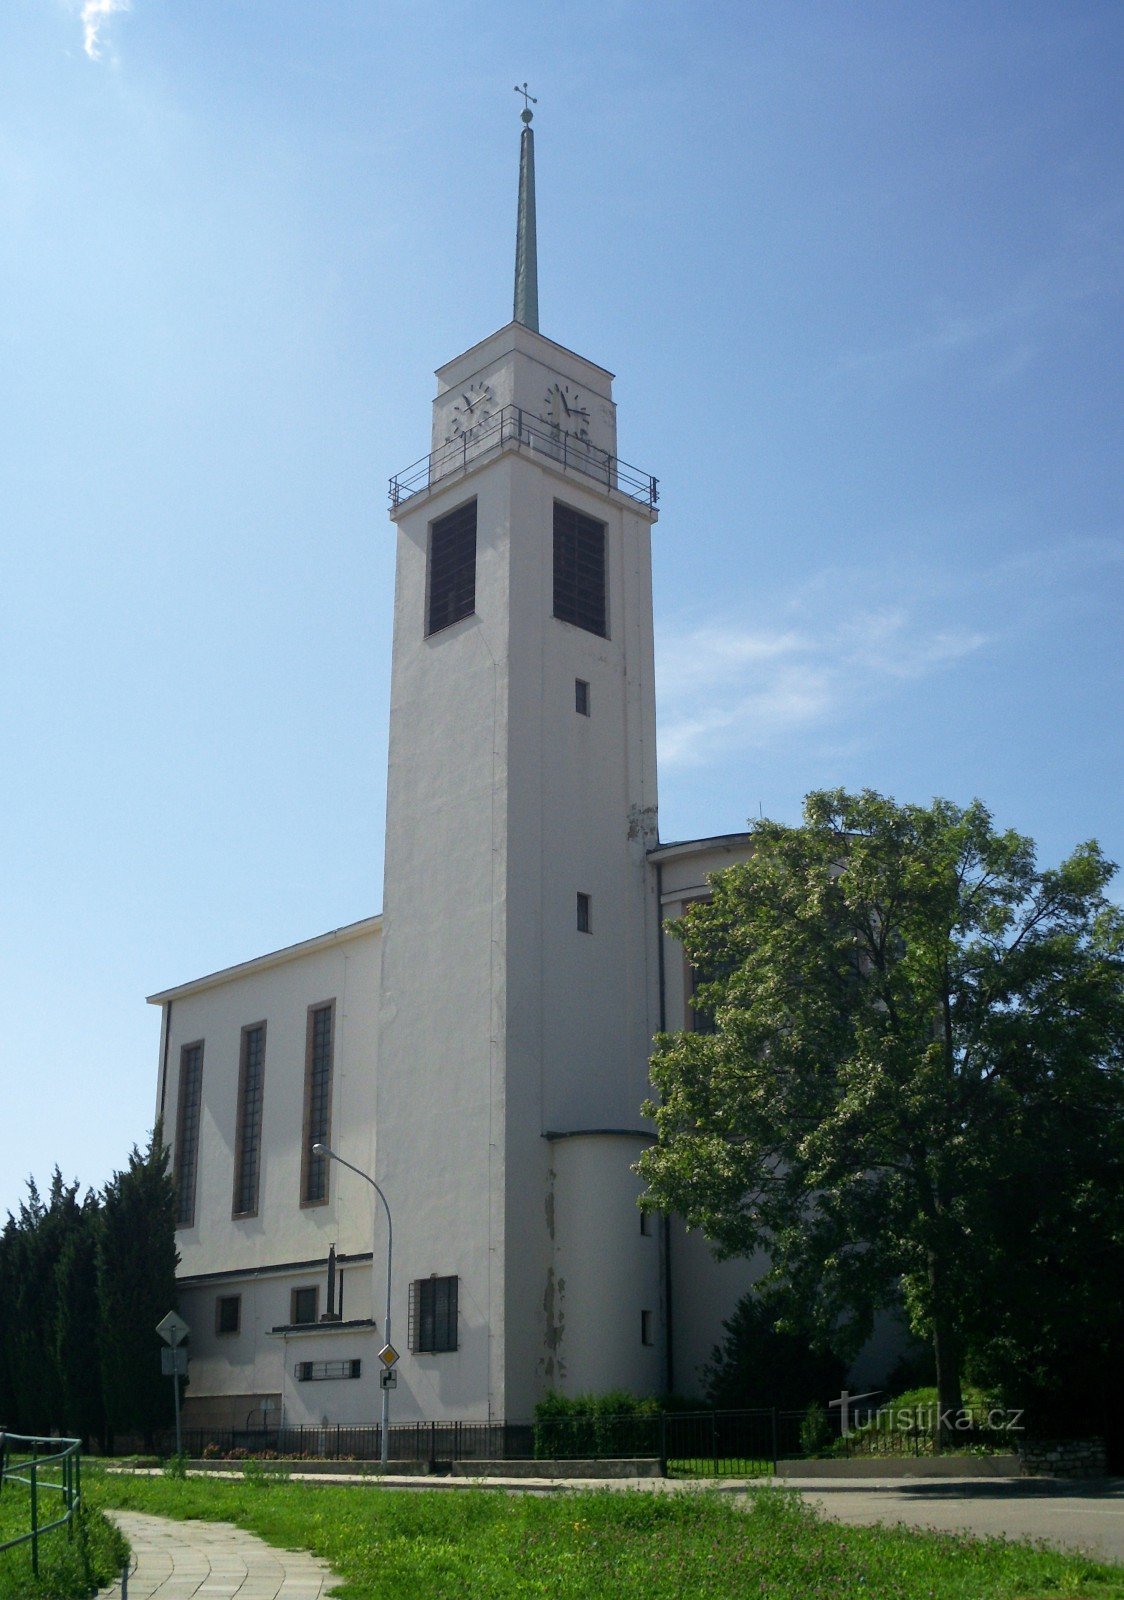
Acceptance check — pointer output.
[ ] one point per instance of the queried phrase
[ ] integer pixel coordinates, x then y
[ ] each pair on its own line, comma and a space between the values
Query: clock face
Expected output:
566, 409
472, 410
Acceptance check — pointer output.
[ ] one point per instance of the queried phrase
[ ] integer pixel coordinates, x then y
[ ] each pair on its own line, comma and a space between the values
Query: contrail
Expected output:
94, 15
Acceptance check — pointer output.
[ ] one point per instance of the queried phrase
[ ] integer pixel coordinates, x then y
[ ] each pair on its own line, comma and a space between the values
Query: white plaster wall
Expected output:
605, 1272
278, 994
440, 1107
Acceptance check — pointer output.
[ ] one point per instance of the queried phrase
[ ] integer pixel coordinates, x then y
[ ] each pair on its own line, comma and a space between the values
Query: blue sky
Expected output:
858, 270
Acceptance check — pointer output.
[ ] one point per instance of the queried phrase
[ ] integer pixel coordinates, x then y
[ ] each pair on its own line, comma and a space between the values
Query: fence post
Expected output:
663, 1444
714, 1440
774, 1441
34, 1517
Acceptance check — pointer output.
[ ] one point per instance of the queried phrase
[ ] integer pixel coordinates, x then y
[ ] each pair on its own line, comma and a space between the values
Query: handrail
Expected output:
65, 1454
513, 426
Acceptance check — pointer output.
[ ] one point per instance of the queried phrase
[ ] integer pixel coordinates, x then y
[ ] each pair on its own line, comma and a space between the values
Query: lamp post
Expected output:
330, 1155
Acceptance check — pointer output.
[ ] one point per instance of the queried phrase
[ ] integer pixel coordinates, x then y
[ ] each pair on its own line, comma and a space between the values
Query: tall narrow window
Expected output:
581, 697
317, 1102
585, 913
579, 569
247, 1138
433, 1314
187, 1132
452, 568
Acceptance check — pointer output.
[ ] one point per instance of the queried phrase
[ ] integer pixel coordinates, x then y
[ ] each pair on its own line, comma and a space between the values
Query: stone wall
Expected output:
1064, 1458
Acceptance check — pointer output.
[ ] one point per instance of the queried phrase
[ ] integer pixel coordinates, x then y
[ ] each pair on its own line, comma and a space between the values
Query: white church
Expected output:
481, 1047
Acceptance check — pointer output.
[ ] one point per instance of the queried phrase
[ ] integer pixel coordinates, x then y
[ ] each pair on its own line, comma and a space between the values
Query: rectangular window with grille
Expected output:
187, 1132
317, 1102
579, 570
319, 1371
452, 568
247, 1137
433, 1314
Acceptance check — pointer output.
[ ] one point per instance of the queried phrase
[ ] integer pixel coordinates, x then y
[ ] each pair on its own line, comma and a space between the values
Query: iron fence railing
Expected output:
44, 1466
512, 426
745, 1443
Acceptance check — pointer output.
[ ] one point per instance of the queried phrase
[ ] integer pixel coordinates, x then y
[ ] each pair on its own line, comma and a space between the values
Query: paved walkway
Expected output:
1081, 1516
213, 1561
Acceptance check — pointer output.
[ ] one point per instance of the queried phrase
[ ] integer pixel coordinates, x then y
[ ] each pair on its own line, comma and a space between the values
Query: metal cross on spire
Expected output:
526, 247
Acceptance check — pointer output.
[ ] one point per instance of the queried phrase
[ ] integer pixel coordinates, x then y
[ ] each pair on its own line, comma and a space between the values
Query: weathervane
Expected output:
528, 101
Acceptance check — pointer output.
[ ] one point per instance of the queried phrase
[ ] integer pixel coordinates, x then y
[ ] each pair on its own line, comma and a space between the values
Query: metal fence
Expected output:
514, 426
44, 1466
739, 1444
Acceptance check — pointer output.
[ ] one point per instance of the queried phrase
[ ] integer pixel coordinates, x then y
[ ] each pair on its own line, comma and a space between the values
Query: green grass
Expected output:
446, 1544
69, 1568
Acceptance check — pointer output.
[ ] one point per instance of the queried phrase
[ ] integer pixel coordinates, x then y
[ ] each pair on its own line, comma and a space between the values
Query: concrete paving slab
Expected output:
213, 1561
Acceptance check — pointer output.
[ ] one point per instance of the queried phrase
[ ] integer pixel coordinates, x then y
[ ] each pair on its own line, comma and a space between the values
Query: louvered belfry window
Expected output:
452, 568
579, 569
433, 1314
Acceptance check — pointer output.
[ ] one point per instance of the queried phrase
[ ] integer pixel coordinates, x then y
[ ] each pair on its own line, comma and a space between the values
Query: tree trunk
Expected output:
946, 1357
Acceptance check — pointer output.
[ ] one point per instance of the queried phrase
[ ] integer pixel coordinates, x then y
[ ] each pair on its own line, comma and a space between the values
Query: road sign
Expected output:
173, 1363
172, 1329
388, 1379
388, 1355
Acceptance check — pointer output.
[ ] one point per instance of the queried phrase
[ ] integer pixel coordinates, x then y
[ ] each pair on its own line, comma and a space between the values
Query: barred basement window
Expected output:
433, 1314
318, 1371
228, 1313
303, 1304
247, 1138
452, 568
579, 569
187, 1132
317, 1103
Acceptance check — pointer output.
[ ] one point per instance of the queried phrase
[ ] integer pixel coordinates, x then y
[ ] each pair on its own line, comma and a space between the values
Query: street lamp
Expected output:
330, 1155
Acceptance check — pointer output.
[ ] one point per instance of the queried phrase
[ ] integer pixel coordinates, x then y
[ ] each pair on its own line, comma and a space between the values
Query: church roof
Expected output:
275, 958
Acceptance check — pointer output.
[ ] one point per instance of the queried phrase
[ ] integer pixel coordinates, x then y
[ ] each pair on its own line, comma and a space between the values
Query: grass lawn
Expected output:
69, 1569
487, 1545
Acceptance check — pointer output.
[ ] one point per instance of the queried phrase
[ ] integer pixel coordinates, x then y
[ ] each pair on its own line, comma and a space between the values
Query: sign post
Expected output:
174, 1330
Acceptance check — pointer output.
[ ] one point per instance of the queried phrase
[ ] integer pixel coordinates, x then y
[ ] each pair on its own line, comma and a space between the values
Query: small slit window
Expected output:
585, 913
303, 1303
228, 1313
581, 697
452, 568
647, 1328
579, 569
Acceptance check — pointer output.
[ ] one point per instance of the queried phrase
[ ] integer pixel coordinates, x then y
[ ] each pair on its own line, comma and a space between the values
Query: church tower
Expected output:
519, 985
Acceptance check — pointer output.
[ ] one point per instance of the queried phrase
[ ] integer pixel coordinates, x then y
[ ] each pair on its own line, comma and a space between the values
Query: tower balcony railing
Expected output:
512, 426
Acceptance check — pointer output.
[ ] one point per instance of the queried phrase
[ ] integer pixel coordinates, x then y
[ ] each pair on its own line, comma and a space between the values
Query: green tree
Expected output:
136, 1263
905, 1006
31, 1247
77, 1327
759, 1364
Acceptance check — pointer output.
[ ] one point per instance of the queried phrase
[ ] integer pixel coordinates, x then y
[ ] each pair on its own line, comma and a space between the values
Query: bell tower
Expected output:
519, 986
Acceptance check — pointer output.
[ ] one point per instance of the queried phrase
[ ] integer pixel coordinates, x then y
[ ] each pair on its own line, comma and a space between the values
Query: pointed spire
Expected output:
526, 247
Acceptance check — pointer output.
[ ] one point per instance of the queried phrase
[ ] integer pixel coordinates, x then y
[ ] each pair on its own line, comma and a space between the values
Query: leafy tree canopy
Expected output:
915, 1086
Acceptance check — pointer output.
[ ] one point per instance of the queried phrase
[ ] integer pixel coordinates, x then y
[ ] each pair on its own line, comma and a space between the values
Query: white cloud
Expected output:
726, 684
95, 14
